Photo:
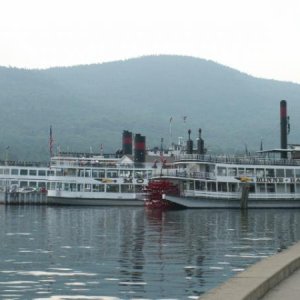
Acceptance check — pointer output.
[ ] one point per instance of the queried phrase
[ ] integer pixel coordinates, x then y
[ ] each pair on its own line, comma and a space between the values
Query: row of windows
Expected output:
22, 184
98, 173
108, 188
102, 173
259, 172
235, 187
30, 172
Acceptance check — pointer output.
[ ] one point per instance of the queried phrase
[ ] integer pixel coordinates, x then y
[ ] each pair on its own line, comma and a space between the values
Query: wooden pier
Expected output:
18, 198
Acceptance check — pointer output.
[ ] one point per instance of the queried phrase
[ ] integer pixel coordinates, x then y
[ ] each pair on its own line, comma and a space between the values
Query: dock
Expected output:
276, 277
37, 198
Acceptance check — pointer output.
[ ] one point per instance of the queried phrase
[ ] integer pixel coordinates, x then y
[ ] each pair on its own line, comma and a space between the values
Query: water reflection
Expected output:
127, 253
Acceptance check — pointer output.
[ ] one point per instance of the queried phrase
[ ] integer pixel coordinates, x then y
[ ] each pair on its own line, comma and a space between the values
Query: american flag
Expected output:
51, 141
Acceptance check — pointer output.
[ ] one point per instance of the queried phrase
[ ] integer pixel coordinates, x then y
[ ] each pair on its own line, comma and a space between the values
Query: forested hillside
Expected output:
92, 104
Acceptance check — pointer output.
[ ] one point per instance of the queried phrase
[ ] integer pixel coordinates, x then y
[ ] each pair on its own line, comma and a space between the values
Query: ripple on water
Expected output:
79, 297
44, 273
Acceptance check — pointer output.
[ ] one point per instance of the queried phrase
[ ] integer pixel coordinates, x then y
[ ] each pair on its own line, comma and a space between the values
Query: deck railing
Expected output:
229, 159
182, 174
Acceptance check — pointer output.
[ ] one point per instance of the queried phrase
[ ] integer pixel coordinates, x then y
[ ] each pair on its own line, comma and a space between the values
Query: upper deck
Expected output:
236, 160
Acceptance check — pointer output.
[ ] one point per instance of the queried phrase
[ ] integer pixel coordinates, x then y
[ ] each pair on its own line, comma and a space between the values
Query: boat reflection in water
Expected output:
132, 252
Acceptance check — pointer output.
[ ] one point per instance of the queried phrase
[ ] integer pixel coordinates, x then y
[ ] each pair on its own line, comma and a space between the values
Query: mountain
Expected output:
90, 105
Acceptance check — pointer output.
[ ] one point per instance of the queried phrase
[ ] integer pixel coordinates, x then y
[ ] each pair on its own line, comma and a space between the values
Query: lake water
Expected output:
132, 253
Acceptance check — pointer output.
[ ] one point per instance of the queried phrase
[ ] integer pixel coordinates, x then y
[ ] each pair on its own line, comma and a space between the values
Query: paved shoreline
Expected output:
257, 280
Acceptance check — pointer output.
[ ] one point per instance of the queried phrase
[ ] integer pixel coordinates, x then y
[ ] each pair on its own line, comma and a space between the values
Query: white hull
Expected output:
199, 202
91, 198
94, 201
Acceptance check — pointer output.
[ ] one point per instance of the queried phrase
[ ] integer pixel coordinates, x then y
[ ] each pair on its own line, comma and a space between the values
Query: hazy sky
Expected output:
259, 37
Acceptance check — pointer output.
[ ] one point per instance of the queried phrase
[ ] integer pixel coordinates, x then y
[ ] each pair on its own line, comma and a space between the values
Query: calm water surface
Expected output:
131, 253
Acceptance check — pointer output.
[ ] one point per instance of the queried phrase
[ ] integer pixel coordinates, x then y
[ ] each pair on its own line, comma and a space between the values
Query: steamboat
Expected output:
269, 179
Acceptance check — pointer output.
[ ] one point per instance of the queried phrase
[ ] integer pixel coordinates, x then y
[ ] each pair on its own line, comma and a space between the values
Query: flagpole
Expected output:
51, 142
170, 131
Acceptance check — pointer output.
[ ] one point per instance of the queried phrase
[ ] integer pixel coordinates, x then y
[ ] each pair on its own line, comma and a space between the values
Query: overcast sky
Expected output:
259, 37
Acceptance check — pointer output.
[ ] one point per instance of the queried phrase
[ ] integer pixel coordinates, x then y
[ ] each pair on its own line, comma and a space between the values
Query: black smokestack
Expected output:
139, 148
283, 127
127, 142
189, 144
200, 144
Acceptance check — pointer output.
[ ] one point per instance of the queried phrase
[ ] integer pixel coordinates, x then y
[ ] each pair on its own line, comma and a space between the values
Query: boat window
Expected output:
280, 173
42, 184
280, 188
138, 188
32, 184
87, 173
140, 174
50, 173
23, 172
14, 172
261, 188
211, 186
126, 173
260, 172
199, 185
232, 171
252, 188
101, 174
112, 188
112, 173
66, 186
52, 186
221, 171
23, 183
59, 172
241, 171
72, 187
87, 187
32, 172
69, 172
42, 172
270, 173
249, 172
270, 188
222, 187
6, 171
127, 188
98, 187
291, 188
1, 171
289, 173
297, 171
232, 187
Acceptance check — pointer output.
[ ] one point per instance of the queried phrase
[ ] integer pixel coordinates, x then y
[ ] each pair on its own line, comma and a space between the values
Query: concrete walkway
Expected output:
287, 289
264, 280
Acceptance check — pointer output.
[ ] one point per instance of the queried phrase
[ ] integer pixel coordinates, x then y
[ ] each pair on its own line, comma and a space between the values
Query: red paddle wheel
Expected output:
155, 191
